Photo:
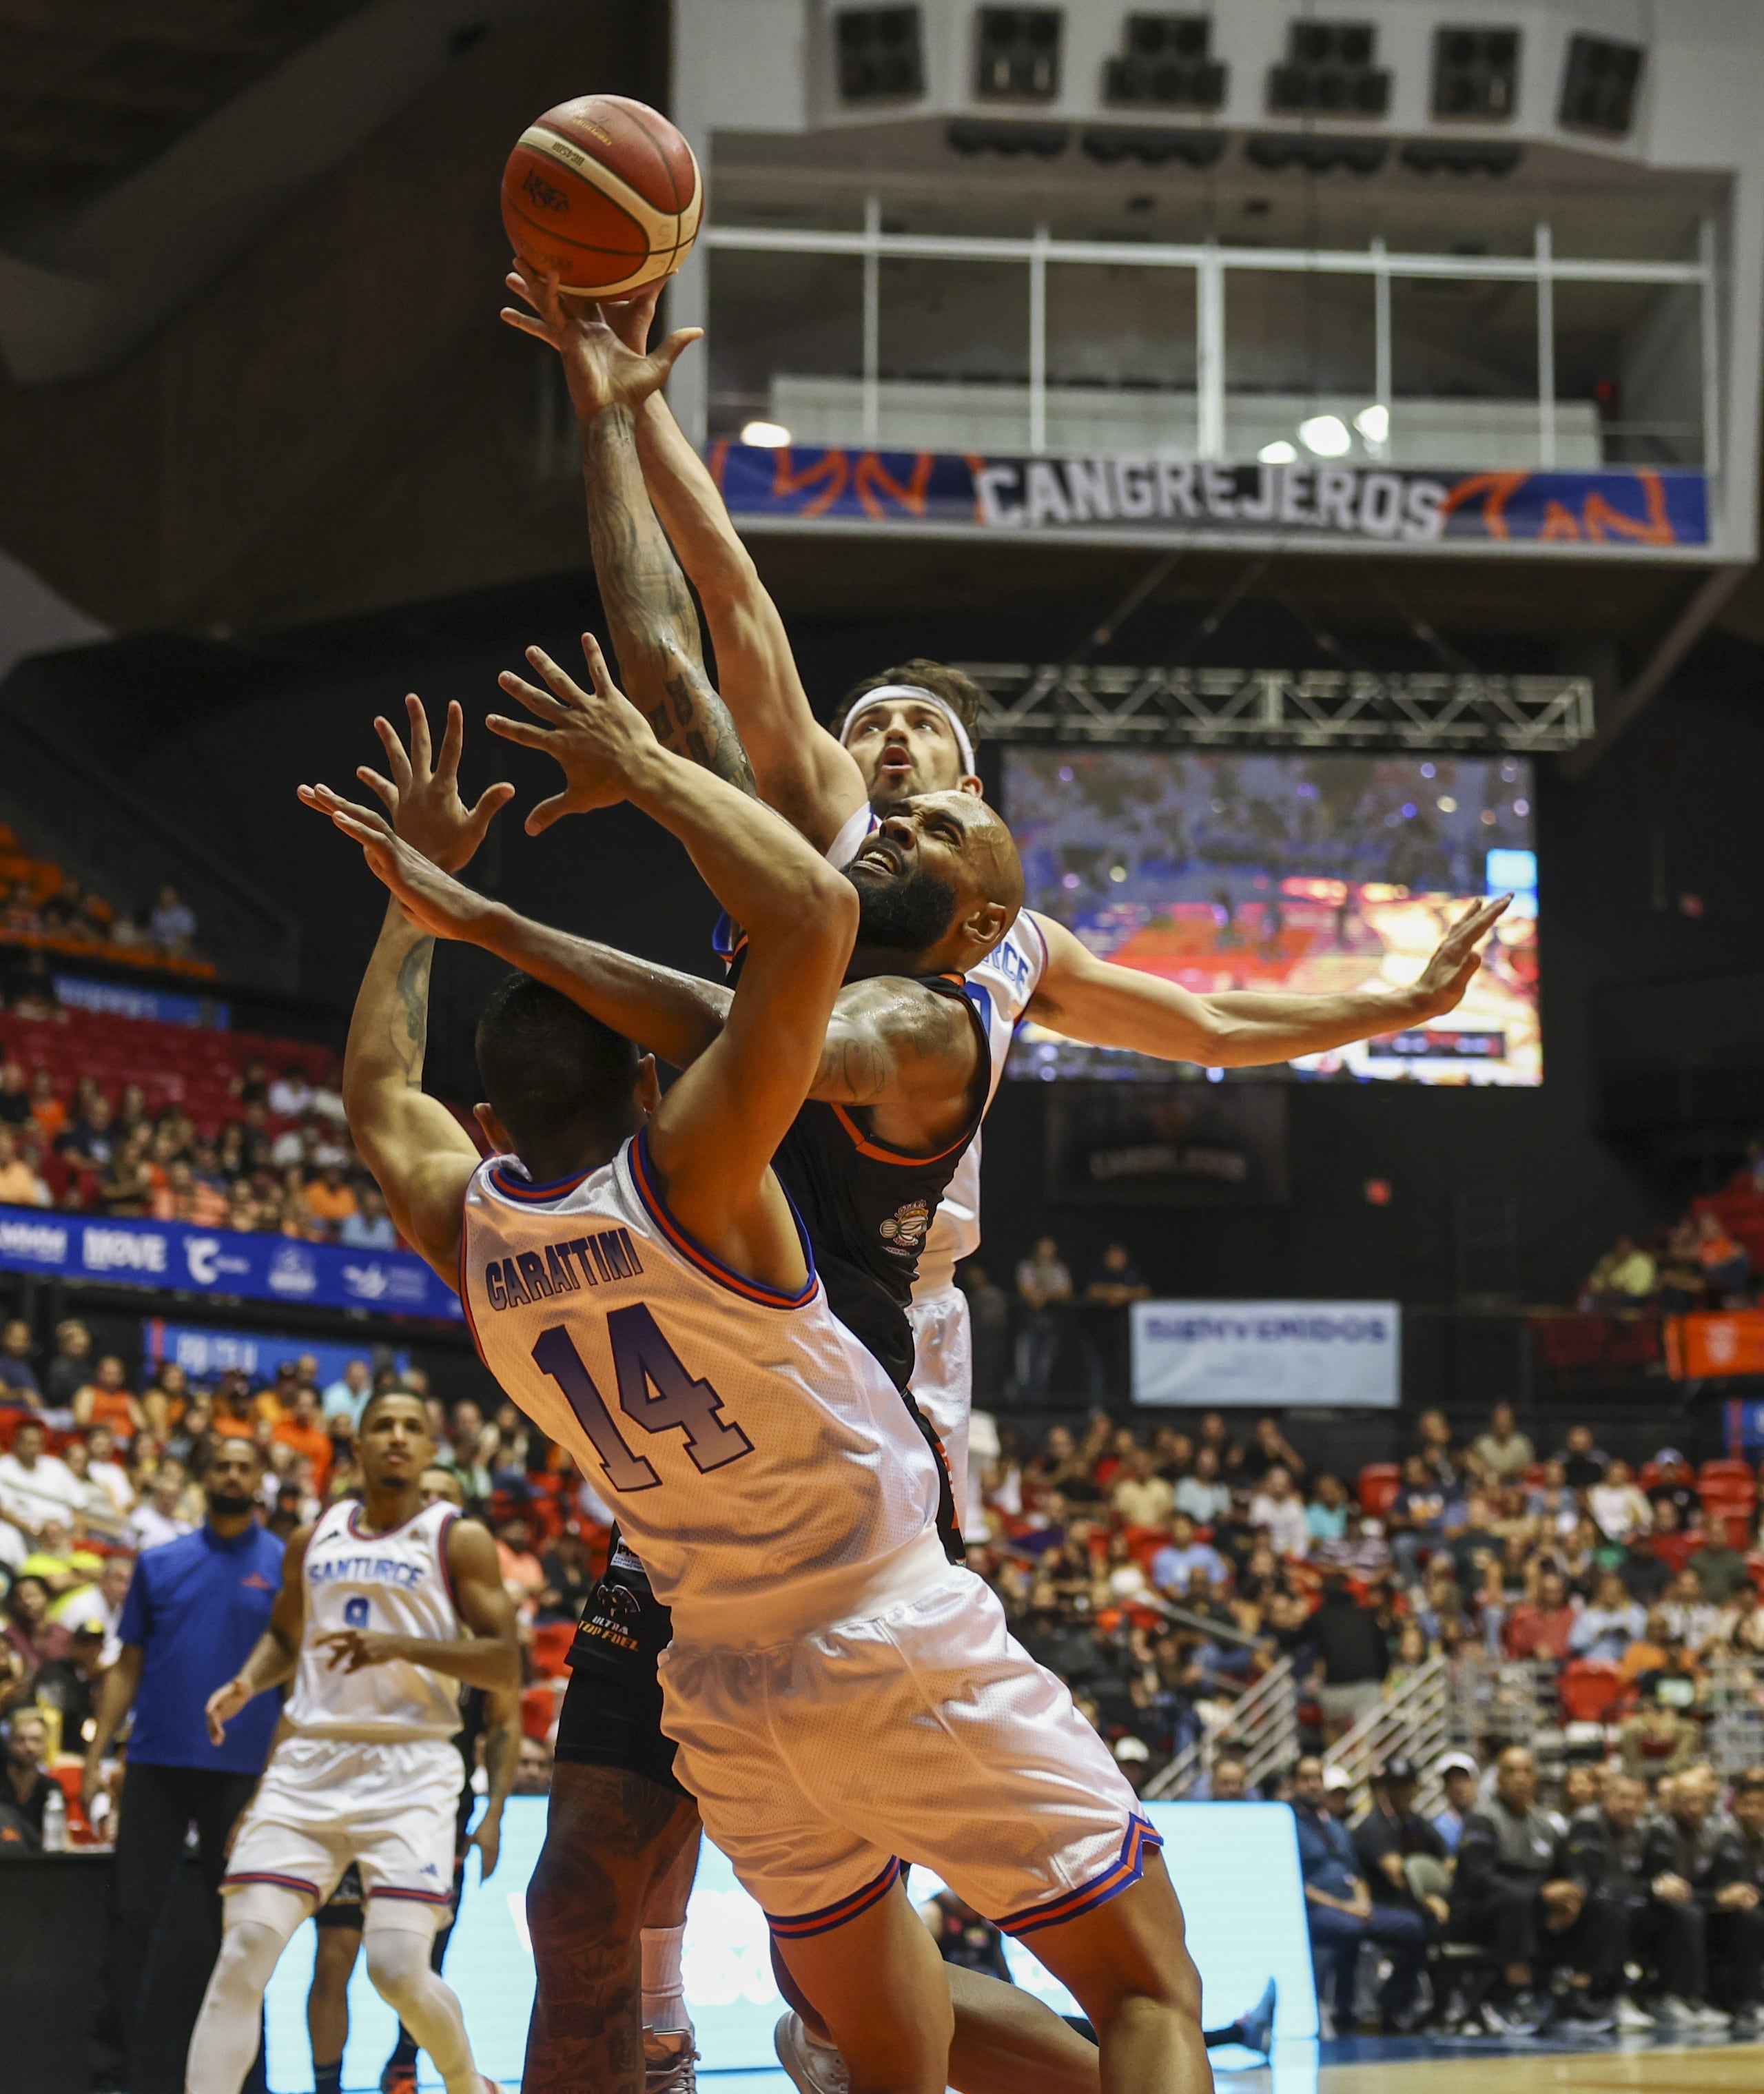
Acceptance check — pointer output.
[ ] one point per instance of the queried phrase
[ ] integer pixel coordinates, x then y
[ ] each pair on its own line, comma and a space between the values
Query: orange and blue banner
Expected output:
1621, 508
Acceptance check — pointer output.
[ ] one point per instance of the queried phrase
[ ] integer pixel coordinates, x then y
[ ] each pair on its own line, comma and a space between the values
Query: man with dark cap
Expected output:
1402, 1858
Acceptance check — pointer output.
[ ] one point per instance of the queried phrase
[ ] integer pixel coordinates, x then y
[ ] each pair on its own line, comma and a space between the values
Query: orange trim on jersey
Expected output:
1125, 1873
465, 1288
865, 1146
269, 1876
411, 1897
830, 1916
694, 1254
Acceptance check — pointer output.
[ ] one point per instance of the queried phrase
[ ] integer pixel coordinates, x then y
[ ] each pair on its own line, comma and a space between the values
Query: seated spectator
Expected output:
1541, 1626
1269, 1448
158, 1517
1617, 1505
107, 1400
70, 1684
1735, 1893
91, 1139
172, 922
349, 1392
1657, 1740
1583, 1462
1398, 1849
1676, 1485
301, 1431
1142, 1497
164, 1399
1325, 1513
1278, 1509
1645, 1577
1720, 1570
1433, 1435
35, 1487
463, 1450
1602, 1853
21, 1184
25, 1789
1682, 1283
100, 1604
1203, 1494
1341, 1912
14, 1095
18, 1378
1184, 1557
1512, 1898
1502, 1454
1690, 1619
1458, 1777
1610, 1624
569, 1577
1363, 1551
1416, 1522
1622, 1278
29, 1630
329, 1199
1724, 1263
1679, 1852
369, 1226
524, 1575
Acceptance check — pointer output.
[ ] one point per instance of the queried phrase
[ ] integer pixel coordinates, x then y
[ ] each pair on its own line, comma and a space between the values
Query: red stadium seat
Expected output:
1379, 1485
1736, 1477
551, 1647
1589, 1688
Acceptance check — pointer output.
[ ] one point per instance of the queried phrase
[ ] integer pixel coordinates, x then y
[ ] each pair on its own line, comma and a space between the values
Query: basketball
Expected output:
603, 192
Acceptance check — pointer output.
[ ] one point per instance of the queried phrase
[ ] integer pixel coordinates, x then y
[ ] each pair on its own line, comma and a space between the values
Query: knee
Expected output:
398, 1963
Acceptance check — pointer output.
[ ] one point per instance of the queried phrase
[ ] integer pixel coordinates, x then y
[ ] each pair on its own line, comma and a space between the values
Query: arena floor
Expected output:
1435, 2065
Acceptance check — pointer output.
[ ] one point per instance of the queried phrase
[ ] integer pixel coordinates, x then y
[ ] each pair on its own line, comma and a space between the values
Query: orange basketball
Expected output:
604, 193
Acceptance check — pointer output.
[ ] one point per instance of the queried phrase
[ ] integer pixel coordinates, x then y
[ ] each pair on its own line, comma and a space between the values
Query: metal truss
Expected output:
1286, 708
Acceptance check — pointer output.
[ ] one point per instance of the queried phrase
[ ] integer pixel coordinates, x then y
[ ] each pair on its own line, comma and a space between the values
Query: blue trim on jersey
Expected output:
980, 995
642, 1170
1121, 1875
524, 1189
827, 1917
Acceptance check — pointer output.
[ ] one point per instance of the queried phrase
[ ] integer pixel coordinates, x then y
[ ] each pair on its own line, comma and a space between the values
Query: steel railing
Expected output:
1261, 1728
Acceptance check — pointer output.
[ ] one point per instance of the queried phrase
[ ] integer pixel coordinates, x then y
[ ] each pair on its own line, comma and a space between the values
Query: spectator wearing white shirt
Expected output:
1690, 1619
104, 1470
1184, 1557
1203, 1494
350, 1391
1619, 1508
1279, 1508
370, 1227
20, 1185
156, 1519
173, 921
291, 1095
102, 1605
36, 1486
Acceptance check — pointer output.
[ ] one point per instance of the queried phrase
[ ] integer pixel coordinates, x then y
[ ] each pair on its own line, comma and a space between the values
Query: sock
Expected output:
327, 2079
398, 1962
664, 1992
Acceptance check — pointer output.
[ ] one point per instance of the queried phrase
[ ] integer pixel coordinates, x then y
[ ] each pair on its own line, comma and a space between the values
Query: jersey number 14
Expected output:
643, 1360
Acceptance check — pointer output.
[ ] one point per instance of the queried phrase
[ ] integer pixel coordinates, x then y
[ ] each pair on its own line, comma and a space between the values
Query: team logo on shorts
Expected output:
903, 1231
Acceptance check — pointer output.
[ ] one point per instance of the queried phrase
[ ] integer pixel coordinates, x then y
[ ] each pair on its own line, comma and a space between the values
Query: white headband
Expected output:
883, 692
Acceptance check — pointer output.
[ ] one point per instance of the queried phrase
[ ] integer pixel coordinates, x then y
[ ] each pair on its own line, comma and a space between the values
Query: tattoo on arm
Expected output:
653, 619
883, 1031
410, 1025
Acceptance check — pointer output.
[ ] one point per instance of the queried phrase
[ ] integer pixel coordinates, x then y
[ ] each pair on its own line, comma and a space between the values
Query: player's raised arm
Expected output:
1107, 1006
653, 623
713, 1138
420, 1156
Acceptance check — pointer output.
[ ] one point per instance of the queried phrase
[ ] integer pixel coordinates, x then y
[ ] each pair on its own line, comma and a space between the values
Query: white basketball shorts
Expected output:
943, 1379
391, 1809
824, 1764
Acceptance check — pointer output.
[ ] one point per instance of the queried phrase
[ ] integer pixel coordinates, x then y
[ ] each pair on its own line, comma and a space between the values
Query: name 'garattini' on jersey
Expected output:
754, 1449
394, 1583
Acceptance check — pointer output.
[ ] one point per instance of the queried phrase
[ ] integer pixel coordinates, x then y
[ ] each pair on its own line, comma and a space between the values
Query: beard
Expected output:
907, 915
229, 1503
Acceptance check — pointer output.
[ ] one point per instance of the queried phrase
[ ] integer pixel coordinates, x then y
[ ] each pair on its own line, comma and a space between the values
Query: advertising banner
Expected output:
123, 1000
1707, 1347
1168, 1144
205, 1352
1640, 508
172, 1256
1273, 1355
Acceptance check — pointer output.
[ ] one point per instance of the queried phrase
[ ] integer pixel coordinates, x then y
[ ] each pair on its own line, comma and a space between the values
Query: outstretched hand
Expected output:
422, 796
433, 900
1442, 982
604, 362
600, 738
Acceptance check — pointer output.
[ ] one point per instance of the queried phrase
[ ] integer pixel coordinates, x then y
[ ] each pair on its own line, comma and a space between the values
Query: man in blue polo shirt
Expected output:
1341, 1913
194, 1611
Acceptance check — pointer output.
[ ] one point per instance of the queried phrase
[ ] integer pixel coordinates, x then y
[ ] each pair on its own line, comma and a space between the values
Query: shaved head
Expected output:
939, 883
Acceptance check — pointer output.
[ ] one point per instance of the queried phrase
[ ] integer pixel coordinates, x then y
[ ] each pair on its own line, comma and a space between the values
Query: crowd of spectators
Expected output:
276, 1155
42, 906
1710, 1258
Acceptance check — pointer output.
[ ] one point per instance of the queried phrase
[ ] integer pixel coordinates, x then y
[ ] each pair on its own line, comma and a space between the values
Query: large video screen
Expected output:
1294, 872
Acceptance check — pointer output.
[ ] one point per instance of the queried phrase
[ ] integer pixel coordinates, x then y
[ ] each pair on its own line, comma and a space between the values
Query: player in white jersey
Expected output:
387, 1607
839, 1693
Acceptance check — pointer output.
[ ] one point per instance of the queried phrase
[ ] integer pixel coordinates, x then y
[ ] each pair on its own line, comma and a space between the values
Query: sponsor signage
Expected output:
1707, 1347
1636, 509
123, 1000
171, 1255
206, 1351
1275, 1355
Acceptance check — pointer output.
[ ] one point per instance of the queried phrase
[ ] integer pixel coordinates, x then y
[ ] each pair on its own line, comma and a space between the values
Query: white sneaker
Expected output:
1671, 2012
1712, 2019
1631, 2019
670, 2069
813, 2068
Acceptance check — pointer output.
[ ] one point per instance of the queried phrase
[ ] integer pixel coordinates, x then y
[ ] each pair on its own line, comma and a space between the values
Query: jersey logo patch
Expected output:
256, 1582
904, 1231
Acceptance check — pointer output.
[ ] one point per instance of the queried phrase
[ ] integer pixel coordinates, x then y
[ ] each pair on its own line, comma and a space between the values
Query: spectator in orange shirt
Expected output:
277, 1400
524, 1576
329, 1198
106, 1399
303, 1431
20, 1184
184, 1197
48, 1113
235, 1413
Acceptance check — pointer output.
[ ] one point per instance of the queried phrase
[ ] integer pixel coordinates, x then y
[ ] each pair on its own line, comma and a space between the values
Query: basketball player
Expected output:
386, 1606
785, 1509
339, 1919
899, 738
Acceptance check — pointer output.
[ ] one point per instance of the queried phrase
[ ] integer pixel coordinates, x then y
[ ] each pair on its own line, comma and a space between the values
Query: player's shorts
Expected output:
943, 1377
612, 1715
325, 1802
924, 1733
346, 1904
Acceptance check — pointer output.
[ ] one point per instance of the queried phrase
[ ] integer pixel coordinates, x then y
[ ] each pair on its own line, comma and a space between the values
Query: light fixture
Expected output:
1373, 422
765, 436
1327, 435
1280, 452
